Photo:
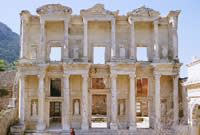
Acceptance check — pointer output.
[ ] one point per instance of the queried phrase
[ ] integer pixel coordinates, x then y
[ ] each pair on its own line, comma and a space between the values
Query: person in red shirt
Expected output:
72, 132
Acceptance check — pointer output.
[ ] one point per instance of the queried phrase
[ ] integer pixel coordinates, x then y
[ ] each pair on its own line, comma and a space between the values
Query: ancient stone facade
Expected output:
68, 92
193, 89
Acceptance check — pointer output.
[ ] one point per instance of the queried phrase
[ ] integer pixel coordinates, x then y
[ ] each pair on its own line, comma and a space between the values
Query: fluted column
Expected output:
21, 99
157, 100
132, 40
85, 43
84, 125
132, 100
174, 37
23, 37
156, 38
66, 104
113, 49
42, 40
66, 36
175, 99
41, 102
113, 124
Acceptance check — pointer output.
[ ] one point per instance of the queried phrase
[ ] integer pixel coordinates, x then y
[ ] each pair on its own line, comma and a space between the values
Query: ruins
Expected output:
128, 93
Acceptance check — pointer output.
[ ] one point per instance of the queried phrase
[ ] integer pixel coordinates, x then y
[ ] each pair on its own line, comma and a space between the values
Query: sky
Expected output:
189, 19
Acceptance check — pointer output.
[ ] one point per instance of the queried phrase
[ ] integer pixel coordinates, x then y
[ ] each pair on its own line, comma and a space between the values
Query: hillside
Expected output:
9, 44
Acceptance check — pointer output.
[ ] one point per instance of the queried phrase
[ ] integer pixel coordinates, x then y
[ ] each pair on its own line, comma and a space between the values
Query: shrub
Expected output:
3, 92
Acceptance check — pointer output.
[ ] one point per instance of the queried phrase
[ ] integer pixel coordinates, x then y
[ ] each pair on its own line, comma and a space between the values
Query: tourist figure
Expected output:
72, 132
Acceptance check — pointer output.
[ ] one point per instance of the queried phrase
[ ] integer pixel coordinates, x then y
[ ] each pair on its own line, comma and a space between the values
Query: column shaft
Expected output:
41, 102
132, 99
114, 103
85, 44
66, 105
113, 50
157, 100
42, 40
175, 96
156, 46
132, 41
66, 46
21, 99
84, 125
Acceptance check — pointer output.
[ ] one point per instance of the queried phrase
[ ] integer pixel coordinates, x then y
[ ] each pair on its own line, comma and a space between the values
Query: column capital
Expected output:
41, 75
113, 76
84, 76
21, 76
132, 75
66, 75
157, 74
155, 22
131, 20
85, 21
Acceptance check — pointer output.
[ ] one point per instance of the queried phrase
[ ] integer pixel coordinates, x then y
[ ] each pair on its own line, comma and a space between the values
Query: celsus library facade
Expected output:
62, 84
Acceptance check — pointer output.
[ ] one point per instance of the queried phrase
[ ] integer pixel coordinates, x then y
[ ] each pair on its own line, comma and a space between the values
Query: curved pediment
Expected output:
97, 10
143, 11
54, 8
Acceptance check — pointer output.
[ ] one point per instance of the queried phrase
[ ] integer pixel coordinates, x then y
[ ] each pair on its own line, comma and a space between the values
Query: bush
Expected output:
3, 92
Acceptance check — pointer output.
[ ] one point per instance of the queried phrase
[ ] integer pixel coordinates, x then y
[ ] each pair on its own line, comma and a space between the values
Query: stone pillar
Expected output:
132, 40
66, 44
132, 100
175, 99
21, 99
113, 49
174, 37
85, 44
41, 102
42, 40
113, 124
66, 104
156, 38
23, 37
85, 108
157, 100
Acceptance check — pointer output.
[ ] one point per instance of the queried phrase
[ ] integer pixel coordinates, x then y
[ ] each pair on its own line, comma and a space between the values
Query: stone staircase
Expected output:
95, 132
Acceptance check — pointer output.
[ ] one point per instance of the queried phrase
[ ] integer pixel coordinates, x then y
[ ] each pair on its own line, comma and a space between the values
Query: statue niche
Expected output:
34, 105
121, 107
76, 106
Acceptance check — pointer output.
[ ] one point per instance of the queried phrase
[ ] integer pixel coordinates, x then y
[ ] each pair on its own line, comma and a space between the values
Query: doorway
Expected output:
55, 115
99, 111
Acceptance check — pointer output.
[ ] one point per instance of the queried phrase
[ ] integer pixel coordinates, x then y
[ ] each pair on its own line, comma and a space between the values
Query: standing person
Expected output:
72, 132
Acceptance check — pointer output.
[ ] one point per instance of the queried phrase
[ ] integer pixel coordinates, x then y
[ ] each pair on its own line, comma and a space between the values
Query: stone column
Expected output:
84, 125
156, 38
175, 99
132, 40
85, 44
66, 104
66, 36
113, 124
21, 99
174, 37
113, 49
42, 40
23, 37
157, 100
132, 100
41, 102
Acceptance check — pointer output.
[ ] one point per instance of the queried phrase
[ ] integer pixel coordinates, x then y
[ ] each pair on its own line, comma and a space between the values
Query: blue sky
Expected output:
189, 19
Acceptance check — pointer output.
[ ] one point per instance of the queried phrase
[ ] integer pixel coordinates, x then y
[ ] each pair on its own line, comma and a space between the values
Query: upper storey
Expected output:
73, 38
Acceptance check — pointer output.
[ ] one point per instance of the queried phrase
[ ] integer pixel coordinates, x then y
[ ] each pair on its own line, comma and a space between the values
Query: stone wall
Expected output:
7, 118
6, 82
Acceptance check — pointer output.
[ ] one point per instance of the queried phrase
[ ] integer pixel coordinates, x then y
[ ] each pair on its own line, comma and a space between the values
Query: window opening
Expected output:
55, 54
99, 55
142, 54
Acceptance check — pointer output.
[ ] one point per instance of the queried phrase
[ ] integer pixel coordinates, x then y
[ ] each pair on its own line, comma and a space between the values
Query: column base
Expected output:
156, 60
85, 59
65, 127
40, 127
113, 126
132, 126
84, 127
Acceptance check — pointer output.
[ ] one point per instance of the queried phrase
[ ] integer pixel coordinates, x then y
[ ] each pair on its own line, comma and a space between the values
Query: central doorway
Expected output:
99, 111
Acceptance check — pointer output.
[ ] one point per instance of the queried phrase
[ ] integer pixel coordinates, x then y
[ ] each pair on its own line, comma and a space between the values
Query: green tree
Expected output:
3, 65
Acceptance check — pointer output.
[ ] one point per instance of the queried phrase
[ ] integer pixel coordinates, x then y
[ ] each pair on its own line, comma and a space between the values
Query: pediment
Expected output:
97, 10
54, 8
144, 11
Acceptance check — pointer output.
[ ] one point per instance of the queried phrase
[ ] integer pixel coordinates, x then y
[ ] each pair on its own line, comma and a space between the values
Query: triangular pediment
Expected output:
54, 8
97, 10
143, 11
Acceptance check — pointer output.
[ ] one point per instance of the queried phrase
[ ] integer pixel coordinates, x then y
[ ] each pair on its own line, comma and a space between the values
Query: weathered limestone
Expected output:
73, 92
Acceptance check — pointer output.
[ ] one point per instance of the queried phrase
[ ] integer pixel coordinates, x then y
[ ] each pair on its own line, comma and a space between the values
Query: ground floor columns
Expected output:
84, 125
157, 100
41, 101
113, 124
21, 99
175, 96
132, 99
66, 105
